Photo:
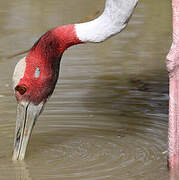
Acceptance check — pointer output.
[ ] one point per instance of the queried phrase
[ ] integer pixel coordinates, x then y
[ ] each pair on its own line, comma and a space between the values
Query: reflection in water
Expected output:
108, 116
22, 171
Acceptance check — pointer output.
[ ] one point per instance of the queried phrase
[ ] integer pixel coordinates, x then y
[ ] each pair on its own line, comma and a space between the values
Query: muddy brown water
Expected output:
108, 116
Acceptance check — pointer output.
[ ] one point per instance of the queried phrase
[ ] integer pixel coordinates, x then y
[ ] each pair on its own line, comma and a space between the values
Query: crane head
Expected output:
34, 80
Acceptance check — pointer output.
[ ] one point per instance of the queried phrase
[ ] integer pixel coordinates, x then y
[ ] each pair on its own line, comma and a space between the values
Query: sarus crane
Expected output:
35, 75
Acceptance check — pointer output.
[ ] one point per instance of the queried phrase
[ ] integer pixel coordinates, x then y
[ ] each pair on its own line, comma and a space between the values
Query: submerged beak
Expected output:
27, 114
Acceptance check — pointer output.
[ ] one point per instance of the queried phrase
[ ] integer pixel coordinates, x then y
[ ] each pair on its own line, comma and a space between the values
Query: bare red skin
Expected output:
46, 55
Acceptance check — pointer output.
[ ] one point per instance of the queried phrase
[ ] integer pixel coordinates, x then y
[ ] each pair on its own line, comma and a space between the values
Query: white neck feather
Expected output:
113, 20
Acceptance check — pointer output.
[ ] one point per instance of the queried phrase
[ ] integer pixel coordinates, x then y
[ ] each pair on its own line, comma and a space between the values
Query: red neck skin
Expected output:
46, 54
55, 42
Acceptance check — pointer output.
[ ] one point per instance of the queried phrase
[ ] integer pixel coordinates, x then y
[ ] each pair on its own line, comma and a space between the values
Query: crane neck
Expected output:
53, 43
112, 21
66, 36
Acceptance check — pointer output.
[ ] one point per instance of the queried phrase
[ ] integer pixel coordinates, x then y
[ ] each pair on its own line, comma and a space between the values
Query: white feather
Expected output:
114, 18
18, 72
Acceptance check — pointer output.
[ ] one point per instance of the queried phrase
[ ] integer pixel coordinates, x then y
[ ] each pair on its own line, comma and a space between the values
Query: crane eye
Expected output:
21, 89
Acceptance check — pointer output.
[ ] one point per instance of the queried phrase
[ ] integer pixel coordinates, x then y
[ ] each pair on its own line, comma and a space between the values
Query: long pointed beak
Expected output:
27, 114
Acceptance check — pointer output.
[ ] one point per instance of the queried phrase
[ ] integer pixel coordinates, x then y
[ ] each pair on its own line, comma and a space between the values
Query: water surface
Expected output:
107, 119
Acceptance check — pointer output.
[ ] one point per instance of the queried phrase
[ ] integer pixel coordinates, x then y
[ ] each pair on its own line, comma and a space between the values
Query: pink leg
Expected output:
173, 132
173, 68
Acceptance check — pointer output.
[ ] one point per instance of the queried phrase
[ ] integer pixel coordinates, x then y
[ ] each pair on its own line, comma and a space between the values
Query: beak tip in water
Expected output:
26, 117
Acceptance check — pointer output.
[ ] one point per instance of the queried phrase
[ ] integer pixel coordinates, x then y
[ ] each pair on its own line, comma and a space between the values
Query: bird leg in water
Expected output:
173, 69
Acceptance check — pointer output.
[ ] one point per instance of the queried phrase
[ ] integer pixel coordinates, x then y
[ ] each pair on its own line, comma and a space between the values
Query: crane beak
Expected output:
27, 114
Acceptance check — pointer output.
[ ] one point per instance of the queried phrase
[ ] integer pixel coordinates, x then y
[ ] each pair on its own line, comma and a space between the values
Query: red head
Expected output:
34, 79
41, 66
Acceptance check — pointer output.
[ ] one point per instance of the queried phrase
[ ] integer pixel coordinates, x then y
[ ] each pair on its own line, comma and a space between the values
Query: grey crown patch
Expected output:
37, 72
